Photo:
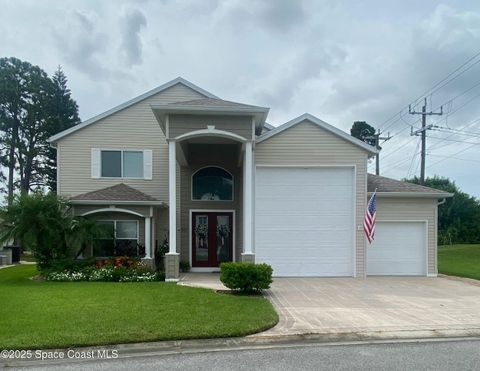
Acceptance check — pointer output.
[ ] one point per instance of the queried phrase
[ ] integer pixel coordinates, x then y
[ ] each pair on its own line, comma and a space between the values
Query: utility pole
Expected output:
423, 133
377, 138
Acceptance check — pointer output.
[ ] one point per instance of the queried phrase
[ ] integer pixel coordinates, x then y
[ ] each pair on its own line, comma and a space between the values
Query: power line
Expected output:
456, 153
455, 158
471, 123
433, 88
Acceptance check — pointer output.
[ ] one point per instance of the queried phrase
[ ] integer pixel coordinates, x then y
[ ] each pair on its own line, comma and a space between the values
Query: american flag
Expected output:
370, 215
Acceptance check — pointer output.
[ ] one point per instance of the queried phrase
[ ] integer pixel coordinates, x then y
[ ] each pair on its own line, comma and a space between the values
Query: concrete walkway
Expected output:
205, 280
390, 306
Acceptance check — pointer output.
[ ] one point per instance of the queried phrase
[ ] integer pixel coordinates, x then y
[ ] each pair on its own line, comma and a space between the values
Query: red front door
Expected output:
212, 238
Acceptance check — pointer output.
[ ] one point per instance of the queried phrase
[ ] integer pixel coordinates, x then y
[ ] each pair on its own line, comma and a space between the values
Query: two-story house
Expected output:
221, 184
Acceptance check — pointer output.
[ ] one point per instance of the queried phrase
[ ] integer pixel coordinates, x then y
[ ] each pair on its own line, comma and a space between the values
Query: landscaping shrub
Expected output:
246, 277
109, 271
44, 224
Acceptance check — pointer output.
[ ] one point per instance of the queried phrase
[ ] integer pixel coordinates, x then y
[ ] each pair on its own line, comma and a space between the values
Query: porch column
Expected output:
248, 254
172, 257
148, 238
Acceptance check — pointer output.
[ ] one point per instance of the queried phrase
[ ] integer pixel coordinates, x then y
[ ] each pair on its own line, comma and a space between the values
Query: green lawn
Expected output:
36, 314
459, 260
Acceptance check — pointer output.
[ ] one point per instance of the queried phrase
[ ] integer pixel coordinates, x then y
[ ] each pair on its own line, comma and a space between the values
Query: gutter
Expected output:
117, 202
442, 202
412, 194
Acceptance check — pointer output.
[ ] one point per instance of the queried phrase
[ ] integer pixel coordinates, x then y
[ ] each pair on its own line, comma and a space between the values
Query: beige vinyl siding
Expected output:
308, 144
398, 209
181, 124
225, 156
134, 127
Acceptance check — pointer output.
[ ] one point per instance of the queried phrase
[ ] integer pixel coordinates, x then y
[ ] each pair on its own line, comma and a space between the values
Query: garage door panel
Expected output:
399, 249
299, 221
307, 190
326, 205
330, 176
304, 220
329, 251
293, 237
302, 269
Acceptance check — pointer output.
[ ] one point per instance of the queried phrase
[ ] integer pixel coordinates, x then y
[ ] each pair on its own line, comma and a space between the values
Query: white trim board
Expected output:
234, 237
320, 123
158, 89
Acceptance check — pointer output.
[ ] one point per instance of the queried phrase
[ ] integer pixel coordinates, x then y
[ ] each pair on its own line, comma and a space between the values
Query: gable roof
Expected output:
392, 187
119, 193
158, 89
209, 106
320, 123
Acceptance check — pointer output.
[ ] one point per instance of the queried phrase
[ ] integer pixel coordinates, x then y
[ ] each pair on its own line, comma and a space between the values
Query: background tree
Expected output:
362, 130
64, 115
33, 107
459, 217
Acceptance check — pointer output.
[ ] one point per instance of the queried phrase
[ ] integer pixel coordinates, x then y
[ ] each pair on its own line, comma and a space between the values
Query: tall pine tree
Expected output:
64, 115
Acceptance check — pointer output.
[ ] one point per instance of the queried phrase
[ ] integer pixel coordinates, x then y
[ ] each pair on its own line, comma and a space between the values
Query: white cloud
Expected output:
340, 60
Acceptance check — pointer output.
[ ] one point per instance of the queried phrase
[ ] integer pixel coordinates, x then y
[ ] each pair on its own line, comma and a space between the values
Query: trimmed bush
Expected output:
107, 273
246, 277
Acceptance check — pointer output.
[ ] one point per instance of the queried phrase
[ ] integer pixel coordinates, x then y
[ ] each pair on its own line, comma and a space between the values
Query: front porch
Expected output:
210, 219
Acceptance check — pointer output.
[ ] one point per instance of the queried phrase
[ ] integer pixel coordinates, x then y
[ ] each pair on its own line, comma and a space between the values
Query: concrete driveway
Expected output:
380, 304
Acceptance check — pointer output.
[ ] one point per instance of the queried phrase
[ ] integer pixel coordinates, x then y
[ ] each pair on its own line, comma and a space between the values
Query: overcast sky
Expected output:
341, 61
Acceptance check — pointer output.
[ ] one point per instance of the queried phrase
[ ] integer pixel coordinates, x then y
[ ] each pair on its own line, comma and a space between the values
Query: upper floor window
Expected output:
112, 163
212, 184
122, 164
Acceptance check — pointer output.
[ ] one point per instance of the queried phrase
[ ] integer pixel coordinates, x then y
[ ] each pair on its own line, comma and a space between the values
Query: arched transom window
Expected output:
212, 184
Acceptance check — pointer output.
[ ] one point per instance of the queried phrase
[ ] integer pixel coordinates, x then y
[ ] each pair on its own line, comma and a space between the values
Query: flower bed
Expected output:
119, 269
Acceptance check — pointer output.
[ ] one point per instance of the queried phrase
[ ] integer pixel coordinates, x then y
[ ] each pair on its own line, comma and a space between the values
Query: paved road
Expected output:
444, 355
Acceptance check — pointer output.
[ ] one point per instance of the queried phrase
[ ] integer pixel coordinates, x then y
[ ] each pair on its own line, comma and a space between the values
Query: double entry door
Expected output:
212, 238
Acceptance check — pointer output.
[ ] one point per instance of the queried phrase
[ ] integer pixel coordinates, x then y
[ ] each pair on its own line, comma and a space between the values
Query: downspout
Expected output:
442, 202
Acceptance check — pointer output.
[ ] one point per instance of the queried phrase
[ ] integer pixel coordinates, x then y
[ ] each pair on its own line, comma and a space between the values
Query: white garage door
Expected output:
399, 249
304, 220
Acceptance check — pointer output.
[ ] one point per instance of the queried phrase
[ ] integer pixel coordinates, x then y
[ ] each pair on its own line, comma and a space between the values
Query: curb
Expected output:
253, 342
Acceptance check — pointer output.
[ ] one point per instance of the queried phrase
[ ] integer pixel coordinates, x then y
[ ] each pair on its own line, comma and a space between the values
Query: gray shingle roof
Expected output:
118, 192
383, 184
213, 102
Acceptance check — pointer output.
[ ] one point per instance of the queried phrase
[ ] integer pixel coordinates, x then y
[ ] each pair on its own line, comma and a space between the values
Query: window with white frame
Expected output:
121, 164
118, 238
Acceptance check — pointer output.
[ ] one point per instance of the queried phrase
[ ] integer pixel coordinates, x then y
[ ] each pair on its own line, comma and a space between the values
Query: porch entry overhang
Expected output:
121, 198
176, 154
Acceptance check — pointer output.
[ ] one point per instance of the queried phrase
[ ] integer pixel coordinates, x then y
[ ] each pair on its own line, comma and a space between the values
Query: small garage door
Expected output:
399, 249
304, 220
